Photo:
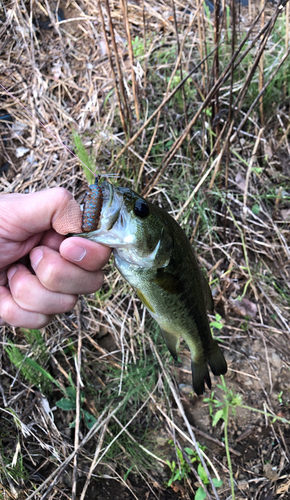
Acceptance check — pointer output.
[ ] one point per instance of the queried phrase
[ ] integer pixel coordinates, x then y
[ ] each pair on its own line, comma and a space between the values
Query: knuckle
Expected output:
20, 288
7, 311
42, 320
50, 276
64, 196
69, 302
96, 282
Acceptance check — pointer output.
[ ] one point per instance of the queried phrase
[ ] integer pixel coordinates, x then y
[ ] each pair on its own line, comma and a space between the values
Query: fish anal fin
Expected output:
171, 342
200, 376
168, 282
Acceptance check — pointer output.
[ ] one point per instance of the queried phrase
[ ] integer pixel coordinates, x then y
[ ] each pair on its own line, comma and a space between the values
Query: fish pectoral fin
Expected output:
200, 375
171, 342
144, 300
168, 282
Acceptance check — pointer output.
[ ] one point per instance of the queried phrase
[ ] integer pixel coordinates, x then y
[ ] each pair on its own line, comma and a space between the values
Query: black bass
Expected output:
154, 255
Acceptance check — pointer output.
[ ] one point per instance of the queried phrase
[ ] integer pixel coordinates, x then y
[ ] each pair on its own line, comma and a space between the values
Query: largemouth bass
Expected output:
154, 255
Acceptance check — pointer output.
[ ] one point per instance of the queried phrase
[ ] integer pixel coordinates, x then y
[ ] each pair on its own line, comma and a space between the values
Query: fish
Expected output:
154, 255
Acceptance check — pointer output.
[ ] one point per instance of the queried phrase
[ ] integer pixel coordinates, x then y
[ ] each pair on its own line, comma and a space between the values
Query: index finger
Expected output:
85, 253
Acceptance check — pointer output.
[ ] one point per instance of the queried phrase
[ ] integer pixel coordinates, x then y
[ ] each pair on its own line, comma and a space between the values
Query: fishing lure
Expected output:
93, 202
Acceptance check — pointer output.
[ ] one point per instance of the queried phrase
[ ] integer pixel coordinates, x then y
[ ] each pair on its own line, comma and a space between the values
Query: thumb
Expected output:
23, 215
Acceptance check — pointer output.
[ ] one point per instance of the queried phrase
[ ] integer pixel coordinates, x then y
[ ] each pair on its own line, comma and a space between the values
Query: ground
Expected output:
225, 176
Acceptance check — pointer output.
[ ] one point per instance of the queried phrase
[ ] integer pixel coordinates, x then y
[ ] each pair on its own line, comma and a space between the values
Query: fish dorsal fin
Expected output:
168, 282
171, 342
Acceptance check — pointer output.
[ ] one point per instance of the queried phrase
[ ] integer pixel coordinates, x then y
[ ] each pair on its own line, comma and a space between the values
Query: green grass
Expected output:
31, 365
87, 160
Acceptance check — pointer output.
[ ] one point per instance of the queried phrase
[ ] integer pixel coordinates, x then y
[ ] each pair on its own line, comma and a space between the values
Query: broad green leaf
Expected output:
189, 451
256, 209
200, 494
66, 404
217, 325
217, 417
72, 393
89, 419
202, 474
217, 482
177, 476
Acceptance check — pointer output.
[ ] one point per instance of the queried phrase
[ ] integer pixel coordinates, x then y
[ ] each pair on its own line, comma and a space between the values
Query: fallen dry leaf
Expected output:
241, 181
285, 214
270, 472
244, 307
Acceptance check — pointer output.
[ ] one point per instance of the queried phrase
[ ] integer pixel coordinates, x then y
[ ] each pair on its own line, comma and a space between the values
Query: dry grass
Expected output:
154, 101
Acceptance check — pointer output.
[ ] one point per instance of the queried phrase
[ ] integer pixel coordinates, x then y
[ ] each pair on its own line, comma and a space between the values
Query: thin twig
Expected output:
164, 102
93, 464
112, 67
78, 403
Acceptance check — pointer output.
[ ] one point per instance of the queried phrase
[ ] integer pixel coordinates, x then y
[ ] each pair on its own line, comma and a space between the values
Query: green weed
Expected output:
30, 366
181, 470
85, 158
16, 471
138, 47
200, 492
69, 403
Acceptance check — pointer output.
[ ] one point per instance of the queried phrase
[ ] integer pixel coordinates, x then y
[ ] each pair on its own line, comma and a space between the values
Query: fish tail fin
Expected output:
200, 375
217, 361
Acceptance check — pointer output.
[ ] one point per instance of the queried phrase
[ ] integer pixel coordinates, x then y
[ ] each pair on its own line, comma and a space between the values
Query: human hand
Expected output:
63, 267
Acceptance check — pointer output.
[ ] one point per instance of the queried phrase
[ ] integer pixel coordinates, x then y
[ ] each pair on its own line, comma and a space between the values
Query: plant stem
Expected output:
226, 420
228, 452
284, 420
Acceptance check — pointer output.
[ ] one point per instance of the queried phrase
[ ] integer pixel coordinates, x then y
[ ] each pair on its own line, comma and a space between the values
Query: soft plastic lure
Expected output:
93, 202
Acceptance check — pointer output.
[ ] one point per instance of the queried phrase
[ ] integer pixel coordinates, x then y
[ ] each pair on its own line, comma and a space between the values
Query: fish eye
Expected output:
141, 208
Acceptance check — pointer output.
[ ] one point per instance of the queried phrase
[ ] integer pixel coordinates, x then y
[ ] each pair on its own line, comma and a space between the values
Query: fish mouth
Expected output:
114, 228
108, 193
112, 204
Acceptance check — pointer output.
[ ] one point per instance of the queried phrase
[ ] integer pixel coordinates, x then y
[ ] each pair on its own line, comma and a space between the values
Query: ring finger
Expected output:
12, 314
30, 295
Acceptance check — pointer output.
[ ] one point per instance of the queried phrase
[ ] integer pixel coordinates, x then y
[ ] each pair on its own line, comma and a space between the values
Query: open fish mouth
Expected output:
114, 228
108, 193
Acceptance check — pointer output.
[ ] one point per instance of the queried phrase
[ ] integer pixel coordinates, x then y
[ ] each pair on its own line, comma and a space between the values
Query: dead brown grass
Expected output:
222, 168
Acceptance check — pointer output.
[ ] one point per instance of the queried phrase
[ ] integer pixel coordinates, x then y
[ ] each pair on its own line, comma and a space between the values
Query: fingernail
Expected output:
11, 272
75, 252
35, 257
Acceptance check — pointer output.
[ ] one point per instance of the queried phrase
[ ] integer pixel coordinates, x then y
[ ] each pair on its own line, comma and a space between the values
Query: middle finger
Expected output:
59, 275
